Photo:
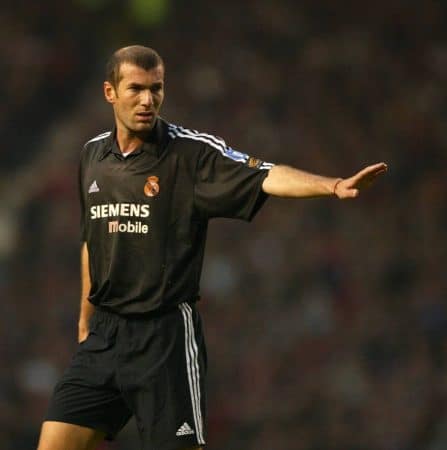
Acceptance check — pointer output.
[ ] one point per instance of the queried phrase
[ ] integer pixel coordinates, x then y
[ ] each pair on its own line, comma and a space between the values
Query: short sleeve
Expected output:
229, 183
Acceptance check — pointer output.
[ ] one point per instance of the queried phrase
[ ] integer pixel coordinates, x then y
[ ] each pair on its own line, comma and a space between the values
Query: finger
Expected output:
372, 176
371, 171
348, 193
380, 167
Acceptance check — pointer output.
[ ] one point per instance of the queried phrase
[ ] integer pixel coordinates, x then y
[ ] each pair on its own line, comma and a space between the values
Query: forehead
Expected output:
130, 73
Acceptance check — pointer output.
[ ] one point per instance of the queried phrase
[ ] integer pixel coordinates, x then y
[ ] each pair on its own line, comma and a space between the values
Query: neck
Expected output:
127, 142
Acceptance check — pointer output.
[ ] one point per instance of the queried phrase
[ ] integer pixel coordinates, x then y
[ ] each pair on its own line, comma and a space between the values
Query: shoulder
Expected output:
210, 141
98, 140
96, 145
215, 147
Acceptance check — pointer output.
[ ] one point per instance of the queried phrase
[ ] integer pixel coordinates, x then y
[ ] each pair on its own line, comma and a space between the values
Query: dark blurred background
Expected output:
326, 320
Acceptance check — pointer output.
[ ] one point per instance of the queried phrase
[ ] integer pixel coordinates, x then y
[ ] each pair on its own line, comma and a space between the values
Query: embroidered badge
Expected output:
151, 188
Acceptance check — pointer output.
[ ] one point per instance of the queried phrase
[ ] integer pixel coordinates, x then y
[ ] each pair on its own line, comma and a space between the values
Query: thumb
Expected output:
348, 193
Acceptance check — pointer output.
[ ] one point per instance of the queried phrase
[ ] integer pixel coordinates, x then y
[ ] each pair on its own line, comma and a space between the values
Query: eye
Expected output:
156, 88
134, 88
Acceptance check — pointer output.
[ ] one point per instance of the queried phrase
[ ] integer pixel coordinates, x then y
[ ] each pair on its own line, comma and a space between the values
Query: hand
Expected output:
350, 187
82, 332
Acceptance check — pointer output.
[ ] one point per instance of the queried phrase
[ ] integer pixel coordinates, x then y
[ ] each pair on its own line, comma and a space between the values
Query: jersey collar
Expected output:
154, 145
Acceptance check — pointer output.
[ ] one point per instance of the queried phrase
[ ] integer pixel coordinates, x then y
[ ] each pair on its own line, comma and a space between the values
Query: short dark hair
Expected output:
145, 57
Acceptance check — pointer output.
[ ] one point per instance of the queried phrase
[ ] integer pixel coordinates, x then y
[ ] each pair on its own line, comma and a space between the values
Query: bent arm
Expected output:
86, 309
285, 181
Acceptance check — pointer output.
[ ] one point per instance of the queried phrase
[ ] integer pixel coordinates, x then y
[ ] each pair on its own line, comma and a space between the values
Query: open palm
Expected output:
351, 187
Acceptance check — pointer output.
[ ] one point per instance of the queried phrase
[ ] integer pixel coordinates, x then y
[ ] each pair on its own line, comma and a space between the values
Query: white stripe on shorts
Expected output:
192, 365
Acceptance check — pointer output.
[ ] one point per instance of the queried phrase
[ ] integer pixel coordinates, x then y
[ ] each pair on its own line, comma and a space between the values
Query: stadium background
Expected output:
326, 320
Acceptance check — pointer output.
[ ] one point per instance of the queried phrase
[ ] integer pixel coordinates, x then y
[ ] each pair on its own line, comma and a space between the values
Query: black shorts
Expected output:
152, 367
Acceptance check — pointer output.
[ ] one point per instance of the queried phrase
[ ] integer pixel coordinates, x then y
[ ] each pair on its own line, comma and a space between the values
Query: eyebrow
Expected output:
134, 84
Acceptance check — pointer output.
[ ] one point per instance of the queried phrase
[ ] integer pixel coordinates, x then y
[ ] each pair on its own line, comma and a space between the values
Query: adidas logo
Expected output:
184, 430
93, 187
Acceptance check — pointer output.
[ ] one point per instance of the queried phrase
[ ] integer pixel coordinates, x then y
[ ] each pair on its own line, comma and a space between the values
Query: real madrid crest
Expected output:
151, 188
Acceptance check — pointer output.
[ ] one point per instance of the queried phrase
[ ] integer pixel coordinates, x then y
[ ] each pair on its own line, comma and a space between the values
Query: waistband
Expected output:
106, 314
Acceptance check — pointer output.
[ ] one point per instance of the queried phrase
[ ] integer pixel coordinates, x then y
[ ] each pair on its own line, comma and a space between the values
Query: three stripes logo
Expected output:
219, 144
184, 430
192, 365
93, 187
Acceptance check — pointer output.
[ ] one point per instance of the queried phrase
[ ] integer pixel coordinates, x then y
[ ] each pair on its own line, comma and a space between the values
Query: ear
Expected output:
109, 92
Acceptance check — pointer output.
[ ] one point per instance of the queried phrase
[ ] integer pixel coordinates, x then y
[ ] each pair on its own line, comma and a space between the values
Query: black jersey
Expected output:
145, 216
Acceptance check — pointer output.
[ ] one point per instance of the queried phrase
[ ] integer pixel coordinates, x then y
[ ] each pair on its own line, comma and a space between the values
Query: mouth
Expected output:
145, 116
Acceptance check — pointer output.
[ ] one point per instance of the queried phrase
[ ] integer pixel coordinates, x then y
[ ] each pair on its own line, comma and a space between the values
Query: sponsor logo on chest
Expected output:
125, 210
119, 210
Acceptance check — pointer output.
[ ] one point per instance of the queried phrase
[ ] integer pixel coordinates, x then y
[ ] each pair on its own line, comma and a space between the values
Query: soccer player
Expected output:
148, 189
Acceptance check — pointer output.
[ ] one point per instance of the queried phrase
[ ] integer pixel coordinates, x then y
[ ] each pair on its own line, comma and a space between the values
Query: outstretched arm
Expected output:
285, 181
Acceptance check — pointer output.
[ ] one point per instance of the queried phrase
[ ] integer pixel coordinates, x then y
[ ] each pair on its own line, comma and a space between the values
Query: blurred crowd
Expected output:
326, 321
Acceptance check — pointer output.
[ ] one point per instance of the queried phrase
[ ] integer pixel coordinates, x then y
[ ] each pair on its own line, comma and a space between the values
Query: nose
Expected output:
146, 98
